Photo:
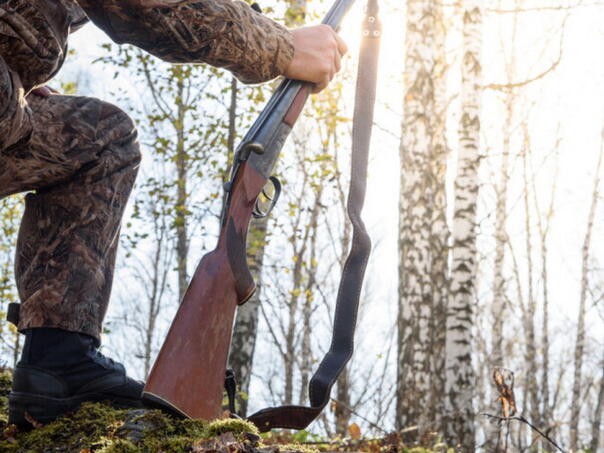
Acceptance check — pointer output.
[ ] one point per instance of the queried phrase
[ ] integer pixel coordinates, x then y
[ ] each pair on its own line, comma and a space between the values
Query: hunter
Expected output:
78, 158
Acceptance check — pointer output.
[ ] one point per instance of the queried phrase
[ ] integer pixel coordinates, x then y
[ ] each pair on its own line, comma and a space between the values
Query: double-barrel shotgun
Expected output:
188, 375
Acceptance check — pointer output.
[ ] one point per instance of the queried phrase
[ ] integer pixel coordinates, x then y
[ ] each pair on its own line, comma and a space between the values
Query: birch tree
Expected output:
529, 310
597, 417
544, 227
417, 300
144, 301
460, 376
580, 340
439, 238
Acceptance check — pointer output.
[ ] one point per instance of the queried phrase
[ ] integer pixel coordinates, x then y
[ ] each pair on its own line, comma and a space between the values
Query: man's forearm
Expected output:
222, 33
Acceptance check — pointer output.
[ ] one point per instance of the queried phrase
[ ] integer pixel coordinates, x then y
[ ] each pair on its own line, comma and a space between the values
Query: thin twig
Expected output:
524, 420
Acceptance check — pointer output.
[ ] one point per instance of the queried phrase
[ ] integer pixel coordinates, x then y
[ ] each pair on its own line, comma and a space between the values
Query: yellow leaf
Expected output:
354, 431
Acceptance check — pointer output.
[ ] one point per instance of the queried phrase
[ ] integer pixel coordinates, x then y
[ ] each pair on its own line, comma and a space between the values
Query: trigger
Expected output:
259, 212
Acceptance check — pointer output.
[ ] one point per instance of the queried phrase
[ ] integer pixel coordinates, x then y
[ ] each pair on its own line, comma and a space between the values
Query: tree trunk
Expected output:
500, 241
243, 343
439, 241
596, 425
580, 340
529, 312
308, 307
543, 227
460, 376
546, 409
154, 299
418, 222
182, 167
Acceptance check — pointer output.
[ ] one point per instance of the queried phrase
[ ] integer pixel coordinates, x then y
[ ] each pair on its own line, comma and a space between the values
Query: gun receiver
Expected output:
188, 375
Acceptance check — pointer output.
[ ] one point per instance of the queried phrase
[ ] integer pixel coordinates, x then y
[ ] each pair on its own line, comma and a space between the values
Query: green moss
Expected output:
99, 428
298, 448
230, 425
90, 427
5, 384
120, 446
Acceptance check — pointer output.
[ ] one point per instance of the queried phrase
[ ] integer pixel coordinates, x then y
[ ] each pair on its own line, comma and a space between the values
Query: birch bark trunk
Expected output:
544, 229
243, 343
420, 222
309, 306
500, 241
580, 339
439, 241
460, 375
182, 195
530, 347
597, 420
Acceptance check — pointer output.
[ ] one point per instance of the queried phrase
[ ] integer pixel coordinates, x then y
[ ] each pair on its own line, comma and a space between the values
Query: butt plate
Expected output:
157, 402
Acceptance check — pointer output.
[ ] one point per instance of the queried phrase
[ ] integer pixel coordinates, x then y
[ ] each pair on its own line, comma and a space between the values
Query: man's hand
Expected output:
317, 54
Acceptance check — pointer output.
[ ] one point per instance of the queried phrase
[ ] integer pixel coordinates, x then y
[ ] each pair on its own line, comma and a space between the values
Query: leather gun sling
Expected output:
347, 304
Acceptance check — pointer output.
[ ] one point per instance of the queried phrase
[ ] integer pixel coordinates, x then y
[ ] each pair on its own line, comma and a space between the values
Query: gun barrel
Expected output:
287, 97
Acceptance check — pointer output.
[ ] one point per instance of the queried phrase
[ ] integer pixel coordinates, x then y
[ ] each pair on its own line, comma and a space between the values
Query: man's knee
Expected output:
87, 130
120, 134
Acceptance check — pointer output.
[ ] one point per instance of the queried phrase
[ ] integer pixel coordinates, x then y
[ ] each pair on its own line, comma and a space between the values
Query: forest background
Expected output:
484, 208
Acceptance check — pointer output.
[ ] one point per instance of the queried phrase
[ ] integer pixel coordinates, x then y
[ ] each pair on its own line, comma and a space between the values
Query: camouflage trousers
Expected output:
78, 157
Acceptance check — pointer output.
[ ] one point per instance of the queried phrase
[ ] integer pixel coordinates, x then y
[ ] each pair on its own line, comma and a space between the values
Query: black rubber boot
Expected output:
60, 370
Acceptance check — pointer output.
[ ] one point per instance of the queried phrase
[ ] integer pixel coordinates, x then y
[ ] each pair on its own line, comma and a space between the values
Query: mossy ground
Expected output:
98, 428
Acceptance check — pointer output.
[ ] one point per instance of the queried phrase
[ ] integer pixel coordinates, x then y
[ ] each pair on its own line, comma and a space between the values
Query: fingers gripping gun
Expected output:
189, 373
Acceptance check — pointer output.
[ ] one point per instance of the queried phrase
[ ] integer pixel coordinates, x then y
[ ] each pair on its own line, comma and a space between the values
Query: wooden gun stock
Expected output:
196, 348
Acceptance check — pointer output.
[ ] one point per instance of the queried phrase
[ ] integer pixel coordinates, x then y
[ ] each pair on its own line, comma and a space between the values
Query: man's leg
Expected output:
81, 160
80, 157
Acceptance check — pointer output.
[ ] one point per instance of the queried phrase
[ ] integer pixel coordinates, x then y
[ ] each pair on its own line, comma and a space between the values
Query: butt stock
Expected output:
187, 378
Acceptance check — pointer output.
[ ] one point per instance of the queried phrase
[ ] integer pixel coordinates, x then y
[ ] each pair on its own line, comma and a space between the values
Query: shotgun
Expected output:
188, 376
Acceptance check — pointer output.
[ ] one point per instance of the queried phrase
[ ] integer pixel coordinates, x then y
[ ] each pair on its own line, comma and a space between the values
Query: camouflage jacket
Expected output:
222, 33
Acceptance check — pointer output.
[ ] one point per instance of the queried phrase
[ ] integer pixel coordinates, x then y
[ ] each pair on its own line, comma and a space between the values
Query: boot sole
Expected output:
45, 409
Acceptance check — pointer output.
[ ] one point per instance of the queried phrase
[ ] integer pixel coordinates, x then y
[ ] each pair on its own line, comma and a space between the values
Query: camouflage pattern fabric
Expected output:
79, 156
15, 118
224, 33
81, 159
33, 38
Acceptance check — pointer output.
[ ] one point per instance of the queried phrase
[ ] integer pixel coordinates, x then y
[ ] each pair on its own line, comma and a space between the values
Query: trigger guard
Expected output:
257, 213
